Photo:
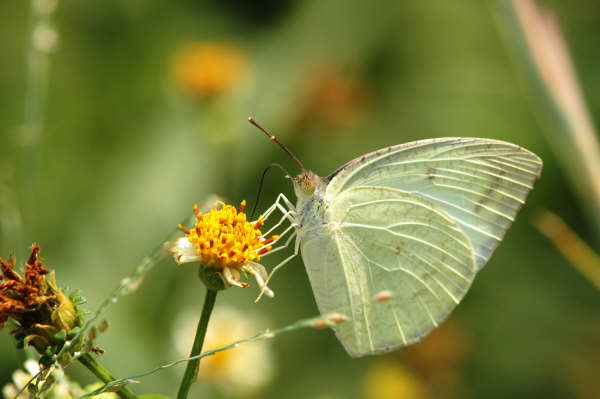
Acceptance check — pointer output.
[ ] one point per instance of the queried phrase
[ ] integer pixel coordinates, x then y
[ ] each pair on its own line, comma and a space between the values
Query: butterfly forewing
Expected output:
384, 240
480, 183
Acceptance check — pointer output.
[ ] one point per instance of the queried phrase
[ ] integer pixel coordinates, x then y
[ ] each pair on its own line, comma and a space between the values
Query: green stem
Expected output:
103, 375
192, 367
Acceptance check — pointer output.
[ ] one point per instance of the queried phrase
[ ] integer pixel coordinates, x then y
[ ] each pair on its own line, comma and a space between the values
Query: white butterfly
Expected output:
410, 224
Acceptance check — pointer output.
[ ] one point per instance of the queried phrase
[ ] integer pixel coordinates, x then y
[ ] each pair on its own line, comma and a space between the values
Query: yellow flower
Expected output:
387, 380
225, 241
208, 69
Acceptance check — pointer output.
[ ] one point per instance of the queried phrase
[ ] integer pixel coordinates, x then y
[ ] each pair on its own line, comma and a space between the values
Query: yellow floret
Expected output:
224, 237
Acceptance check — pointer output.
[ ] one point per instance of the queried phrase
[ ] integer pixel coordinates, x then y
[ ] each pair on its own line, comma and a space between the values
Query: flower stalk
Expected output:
191, 370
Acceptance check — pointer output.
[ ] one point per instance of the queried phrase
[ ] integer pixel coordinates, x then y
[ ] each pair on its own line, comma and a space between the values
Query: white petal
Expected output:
260, 274
183, 250
232, 277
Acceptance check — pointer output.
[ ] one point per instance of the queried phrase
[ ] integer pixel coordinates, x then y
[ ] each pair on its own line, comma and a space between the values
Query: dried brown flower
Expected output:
42, 314
18, 294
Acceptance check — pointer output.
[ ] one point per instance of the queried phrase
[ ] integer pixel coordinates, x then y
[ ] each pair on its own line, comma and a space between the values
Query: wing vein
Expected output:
410, 273
406, 236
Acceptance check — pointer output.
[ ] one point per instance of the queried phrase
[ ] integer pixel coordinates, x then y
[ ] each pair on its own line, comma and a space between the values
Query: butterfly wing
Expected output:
392, 261
415, 221
480, 183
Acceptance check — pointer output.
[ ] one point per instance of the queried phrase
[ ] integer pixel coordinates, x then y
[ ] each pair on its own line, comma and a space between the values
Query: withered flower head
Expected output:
43, 315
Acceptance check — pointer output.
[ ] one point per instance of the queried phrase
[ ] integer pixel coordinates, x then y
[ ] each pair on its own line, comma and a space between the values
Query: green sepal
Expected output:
61, 335
211, 278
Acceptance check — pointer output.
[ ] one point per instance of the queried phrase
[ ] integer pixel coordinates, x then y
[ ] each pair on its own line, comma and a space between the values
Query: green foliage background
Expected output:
125, 154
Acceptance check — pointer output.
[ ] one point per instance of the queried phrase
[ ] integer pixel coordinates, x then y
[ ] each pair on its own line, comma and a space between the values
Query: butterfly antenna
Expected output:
273, 138
260, 184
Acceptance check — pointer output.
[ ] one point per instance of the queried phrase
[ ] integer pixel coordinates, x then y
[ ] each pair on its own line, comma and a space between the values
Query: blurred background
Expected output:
117, 116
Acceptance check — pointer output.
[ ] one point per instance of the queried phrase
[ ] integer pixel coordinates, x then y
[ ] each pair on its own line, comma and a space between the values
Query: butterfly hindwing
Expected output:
384, 240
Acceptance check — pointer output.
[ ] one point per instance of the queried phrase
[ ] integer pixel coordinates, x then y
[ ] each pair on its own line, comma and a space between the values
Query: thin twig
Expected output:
315, 322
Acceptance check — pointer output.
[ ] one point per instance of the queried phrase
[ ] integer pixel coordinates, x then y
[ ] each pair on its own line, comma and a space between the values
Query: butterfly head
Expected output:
306, 183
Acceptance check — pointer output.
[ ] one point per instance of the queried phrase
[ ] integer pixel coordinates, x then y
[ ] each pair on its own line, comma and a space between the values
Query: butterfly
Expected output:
397, 236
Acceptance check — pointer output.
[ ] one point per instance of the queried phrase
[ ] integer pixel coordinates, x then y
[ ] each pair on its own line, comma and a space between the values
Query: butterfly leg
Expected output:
291, 209
289, 216
270, 210
287, 242
283, 262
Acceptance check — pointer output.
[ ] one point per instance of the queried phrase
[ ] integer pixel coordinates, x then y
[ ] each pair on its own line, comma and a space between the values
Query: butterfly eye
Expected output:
307, 185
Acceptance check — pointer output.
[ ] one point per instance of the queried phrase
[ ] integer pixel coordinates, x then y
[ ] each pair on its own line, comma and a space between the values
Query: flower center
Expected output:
224, 238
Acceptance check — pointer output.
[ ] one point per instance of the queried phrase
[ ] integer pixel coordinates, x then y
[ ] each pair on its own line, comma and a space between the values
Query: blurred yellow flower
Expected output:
224, 240
241, 371
209, 69
387, 380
